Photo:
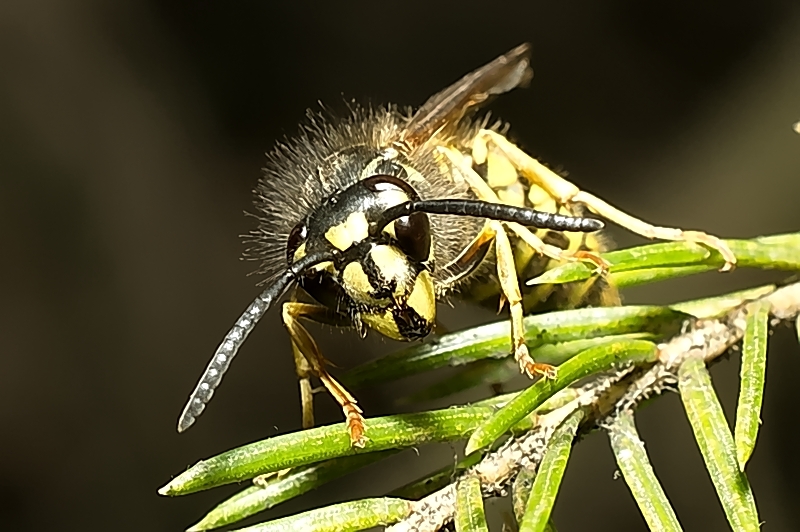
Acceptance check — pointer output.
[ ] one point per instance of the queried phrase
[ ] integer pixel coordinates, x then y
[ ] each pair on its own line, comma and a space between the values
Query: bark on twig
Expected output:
601, 400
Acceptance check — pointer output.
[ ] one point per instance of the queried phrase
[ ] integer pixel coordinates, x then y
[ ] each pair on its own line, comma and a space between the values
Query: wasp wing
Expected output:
447, 107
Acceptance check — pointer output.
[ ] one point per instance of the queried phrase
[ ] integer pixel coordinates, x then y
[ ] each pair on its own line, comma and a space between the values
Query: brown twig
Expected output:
601, 400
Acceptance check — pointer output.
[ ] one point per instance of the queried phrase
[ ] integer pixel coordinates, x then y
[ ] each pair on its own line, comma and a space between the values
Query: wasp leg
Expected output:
302, 367
304, 374
565, 192
470, 258
494, 232
509, 286
307, 348
601, 265
352, 412
484, 192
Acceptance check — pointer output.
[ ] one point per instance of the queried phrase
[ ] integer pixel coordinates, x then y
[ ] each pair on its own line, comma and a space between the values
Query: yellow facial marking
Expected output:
391, 263
325, 266
389, 229
384, 323
354, 229
300, 253
423, 298
356, 282
499, 172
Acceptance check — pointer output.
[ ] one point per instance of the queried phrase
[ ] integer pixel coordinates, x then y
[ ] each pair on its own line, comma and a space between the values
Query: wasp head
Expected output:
380, 272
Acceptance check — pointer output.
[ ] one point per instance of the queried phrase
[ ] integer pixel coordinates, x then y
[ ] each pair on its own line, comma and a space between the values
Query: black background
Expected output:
132, 132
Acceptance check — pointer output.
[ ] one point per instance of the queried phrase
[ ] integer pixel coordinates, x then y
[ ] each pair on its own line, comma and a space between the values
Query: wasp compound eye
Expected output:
413, 234
384, 183
297, 236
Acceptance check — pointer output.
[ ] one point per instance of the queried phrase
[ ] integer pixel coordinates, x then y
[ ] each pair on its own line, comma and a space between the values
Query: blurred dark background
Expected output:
132, 132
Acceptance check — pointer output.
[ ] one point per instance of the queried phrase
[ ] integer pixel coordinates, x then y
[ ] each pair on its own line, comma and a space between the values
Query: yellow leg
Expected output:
304, 374
509, 286
485, 193
565, 192
305, 347
536, 243
302, 367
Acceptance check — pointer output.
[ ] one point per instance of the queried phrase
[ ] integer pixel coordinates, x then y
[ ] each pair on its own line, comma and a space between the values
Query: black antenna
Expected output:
493, 211
222, 358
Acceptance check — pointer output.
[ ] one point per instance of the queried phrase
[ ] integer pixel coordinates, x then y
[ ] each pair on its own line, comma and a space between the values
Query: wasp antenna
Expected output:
493, 211
222, 358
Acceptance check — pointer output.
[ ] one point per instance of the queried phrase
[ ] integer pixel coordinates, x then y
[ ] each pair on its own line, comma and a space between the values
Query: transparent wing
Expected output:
508, 71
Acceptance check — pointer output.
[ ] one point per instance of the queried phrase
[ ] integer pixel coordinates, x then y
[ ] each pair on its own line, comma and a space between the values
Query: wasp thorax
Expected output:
381, 273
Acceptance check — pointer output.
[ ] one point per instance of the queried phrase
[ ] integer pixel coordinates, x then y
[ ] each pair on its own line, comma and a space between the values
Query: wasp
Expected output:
393, 210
